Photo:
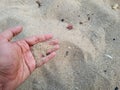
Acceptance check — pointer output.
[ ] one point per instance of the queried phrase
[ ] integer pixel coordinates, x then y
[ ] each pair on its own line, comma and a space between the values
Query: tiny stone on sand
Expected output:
115, 6
69, 47
69, 27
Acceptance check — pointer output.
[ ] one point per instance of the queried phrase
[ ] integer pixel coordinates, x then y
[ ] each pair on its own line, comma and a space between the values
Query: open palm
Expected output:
16, 59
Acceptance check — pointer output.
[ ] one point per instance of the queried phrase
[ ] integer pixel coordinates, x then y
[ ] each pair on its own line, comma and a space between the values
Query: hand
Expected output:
16, 59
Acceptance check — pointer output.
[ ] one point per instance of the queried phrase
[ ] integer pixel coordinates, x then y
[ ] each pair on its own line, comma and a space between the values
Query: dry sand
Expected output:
89, 57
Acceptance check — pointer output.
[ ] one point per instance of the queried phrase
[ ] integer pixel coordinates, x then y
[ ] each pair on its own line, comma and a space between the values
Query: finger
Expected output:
36, 39
54, 42
55, 48
45, 59
10, 33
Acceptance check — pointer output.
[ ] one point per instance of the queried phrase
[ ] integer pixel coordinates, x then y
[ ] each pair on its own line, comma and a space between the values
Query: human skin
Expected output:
16, 59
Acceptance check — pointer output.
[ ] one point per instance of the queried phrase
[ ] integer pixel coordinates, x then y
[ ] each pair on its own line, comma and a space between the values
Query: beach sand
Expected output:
89, 35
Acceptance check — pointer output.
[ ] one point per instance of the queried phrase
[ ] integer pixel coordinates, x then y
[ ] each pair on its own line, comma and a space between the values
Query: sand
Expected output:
89, 55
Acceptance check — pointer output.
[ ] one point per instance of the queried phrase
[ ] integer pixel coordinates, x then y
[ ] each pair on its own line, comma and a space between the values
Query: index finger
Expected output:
39, 38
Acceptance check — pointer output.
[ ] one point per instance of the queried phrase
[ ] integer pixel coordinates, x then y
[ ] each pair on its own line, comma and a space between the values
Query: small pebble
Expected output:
105, 71
67, 53
113, 39
108, 56
70, 27
88, 18
69, 47
116, 88
39, 3
80, 22
115, 6
62, 20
